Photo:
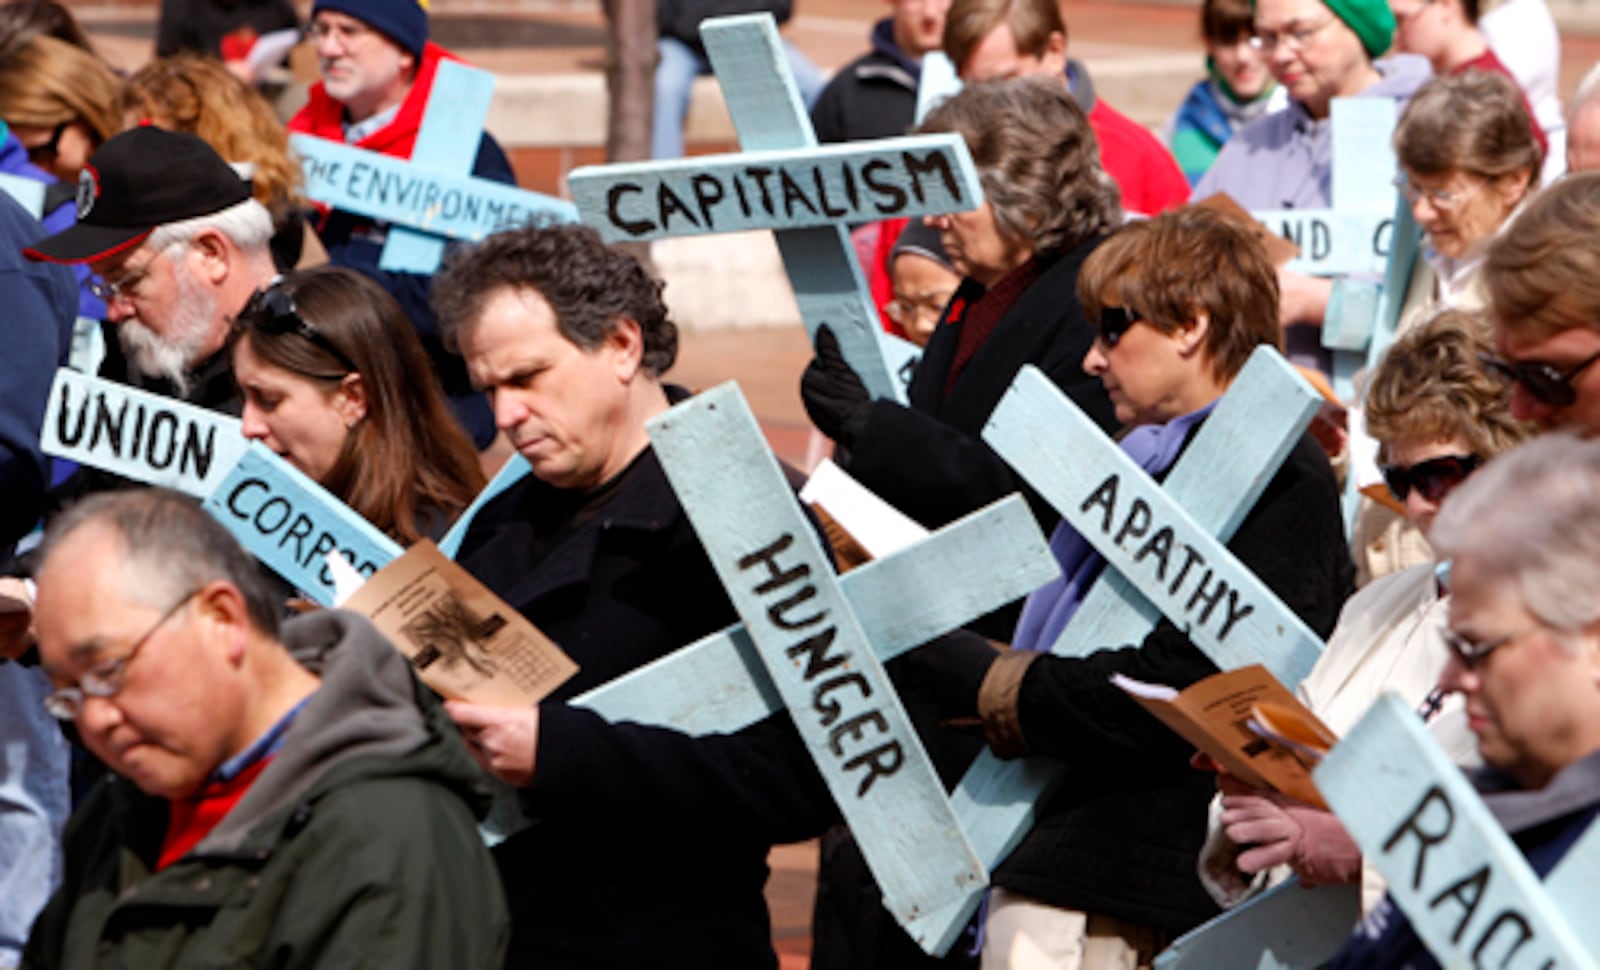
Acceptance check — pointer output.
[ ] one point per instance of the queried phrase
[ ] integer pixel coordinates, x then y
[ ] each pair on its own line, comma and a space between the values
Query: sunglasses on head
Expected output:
272, 310
48, 150
1114, 322
1433, 479
1545, 383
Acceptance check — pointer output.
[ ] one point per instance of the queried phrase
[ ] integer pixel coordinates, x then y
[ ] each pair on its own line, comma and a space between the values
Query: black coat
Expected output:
929, 460
874, 96
1122, 836
651, 845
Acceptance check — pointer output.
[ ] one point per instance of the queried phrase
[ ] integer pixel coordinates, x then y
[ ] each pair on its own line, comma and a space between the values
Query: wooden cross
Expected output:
1470, 895
1165, 555
784, 182
432, 197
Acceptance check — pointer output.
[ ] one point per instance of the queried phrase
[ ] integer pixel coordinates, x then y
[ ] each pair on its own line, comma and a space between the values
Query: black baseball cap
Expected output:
136, 182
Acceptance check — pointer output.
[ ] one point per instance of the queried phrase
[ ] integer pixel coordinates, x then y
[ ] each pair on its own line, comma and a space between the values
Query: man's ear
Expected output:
216, 256
625, 343
221, 608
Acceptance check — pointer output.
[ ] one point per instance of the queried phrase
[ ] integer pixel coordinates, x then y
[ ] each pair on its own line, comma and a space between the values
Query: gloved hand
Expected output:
835, 398
1280, 831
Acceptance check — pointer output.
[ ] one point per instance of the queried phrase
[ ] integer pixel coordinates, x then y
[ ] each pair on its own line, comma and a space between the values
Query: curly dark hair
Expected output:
588, 284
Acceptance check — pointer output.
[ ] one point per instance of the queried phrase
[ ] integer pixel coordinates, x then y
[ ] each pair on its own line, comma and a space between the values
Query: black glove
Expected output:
834, 396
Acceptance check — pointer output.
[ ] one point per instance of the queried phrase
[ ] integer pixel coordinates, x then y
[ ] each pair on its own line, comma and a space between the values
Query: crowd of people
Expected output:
250, 782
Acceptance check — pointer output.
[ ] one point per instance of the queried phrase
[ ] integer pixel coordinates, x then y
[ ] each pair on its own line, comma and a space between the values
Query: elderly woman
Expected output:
1047, 204
1524, 540
1182, 299
1438, 414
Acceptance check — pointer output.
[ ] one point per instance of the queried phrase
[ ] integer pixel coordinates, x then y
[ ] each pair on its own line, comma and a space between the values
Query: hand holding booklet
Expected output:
1252, 726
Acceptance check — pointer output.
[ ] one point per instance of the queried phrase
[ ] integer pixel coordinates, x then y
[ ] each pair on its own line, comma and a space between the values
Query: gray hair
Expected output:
247, 223
170, 548
1534, 513
1588, 91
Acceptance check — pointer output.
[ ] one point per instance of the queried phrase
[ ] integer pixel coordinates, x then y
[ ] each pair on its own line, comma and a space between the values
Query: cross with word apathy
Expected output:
1471, 897
1226, 611
784, 182
432, 197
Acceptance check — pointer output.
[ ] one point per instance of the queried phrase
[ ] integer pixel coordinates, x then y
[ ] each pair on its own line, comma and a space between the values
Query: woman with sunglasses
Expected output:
334, 380
1523, 538
1438, 415
60, 101
1183, 300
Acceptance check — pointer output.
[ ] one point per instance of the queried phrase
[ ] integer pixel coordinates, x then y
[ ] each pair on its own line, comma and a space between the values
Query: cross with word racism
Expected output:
1470, 894
784, 182
1165, 556
432, 197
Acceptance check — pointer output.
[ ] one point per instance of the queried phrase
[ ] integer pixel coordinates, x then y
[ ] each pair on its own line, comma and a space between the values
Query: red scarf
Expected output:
984, 315
324, 117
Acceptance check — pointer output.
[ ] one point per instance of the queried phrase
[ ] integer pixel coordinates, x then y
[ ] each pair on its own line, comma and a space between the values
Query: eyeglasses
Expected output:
1433, 479
1442, 200
1293, 37
104, 679
123, 286
272, 311
47, 150
1114, 322
1544, 382
348, 34
906, 312
1471, 654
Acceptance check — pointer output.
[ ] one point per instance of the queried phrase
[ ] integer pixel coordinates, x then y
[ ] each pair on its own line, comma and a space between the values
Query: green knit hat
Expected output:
1370, 19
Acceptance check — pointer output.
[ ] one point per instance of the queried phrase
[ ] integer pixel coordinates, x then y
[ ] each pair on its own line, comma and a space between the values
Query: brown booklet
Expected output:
462, 640
1248, 723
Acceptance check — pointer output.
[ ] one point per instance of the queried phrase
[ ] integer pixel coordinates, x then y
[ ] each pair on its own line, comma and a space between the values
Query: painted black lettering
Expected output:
880, 762
1190, 558
792, 193
234, 506
829, 209
776, 612
69, 434
934, 163
1105, 495
138, 430
474, 207
452, 204
1524, 934
1160, 546
109, 422
815, 650
895, 195
299, 530
1434, 796
744, 200
855, 727
275, 504
1468, 892
1383, 238
708, 191
1137, 523
776, 578
668, 203
1235, 613
159, 457
633, 227
761, 174
430, 198
1210, 599
850, 191
829, 708
1321, 239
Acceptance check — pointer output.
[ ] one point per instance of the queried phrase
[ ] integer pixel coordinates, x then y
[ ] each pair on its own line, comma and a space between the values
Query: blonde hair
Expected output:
1543, 270
48, 82
195, 94
970, 21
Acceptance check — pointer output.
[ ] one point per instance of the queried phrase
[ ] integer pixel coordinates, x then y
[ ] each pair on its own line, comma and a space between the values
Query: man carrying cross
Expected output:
649, 846
378, 69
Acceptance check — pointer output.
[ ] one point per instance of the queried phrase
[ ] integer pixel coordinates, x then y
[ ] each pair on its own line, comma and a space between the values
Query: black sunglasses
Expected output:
1433, 479
272, 310
1545, 383
48, 149
1114, 322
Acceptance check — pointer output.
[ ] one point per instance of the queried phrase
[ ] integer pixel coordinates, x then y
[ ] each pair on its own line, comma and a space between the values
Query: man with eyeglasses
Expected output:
286, 796
378, 68
1543, 278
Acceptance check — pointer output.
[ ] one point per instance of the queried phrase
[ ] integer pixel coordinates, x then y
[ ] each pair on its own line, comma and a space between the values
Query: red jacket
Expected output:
1150, 179
324, 117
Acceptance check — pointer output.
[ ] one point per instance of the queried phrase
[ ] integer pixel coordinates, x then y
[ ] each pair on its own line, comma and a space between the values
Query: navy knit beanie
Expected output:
403, 21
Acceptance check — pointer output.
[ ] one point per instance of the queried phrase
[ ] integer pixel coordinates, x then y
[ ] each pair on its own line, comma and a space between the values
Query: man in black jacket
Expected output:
649, 846
875, 96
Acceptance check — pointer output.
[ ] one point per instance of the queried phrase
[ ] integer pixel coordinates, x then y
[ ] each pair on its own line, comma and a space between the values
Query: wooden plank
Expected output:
1364, 163
146, 437
937, 82
447, 142
28, 193
1218, 480
853, 182
1288, 927
1469, 893
748, 58
782, 585
1571, 886
718, 684
290, 523
513, 471
1332, 241
391, 190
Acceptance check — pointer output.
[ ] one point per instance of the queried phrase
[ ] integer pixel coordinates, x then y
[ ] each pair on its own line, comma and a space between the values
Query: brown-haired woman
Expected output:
1047, 205
59, 101
197, 94
1182, 301
334, 380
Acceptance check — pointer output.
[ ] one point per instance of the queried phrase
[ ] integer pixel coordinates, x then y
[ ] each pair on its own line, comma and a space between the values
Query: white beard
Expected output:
170, 355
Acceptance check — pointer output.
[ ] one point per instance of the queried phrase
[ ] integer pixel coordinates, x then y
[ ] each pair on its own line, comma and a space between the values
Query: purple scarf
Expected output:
1051, 607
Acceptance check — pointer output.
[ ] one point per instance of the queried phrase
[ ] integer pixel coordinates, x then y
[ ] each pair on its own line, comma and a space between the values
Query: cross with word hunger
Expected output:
782, 181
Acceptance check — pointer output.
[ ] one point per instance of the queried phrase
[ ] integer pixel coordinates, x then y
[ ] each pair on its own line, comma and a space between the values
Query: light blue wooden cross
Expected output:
816, 652
432, 197
1224, 609
1469, 893
1353, 235
783, 181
